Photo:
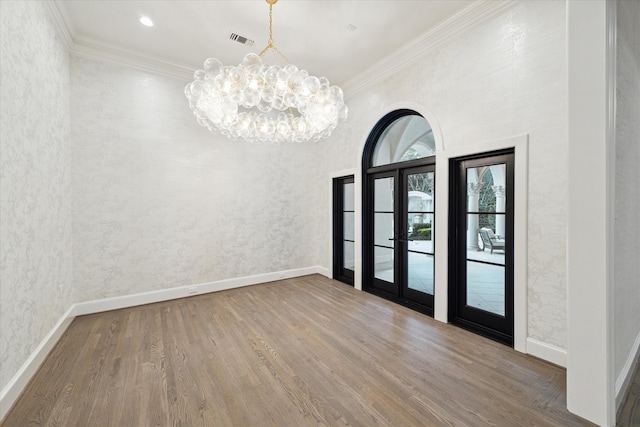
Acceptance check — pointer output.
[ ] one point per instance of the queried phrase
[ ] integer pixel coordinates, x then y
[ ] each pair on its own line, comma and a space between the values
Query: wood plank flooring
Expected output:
629, 414
300, 352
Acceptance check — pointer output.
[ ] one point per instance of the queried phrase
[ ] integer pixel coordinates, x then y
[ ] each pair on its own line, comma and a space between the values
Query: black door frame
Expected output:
490, 325
369, 282
340, 273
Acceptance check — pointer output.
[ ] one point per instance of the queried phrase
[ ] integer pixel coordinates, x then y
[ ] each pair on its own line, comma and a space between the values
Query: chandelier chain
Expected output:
270, 44
271, 24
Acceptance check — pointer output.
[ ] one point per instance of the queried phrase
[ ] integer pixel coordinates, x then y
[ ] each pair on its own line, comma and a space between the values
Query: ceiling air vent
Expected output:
237, 38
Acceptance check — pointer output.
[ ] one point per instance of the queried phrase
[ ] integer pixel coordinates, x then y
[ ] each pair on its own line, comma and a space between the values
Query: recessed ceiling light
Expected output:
146, 21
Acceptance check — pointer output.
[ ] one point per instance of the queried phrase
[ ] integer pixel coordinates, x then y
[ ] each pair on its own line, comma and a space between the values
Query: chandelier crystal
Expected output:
260, 102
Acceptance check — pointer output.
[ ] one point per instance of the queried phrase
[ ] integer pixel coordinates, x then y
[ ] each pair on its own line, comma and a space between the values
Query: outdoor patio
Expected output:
485, 282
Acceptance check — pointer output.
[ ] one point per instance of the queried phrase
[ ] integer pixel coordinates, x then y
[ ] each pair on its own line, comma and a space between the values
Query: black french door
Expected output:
343, 229
398, 239
481, 245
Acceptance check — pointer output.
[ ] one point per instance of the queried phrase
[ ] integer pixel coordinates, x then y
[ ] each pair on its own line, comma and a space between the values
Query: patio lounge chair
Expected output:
490, 240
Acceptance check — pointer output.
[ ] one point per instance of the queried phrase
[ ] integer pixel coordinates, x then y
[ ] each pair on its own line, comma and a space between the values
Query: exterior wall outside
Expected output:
160, 202
503, 78
35, 207
627, 189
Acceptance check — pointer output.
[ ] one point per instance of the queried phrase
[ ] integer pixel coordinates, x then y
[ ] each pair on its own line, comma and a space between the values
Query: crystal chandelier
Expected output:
260, 102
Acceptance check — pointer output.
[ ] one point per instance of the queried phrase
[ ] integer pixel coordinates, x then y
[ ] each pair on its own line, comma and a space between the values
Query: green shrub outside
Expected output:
421, 232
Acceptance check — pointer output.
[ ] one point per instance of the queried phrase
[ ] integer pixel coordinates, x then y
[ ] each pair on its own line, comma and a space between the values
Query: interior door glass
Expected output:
348, 221
383, 197
383, 226
486, 201
420, 216
348, 255
485, 287
348, 196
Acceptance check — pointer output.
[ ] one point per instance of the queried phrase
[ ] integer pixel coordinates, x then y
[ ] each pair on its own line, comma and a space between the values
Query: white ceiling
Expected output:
337, 39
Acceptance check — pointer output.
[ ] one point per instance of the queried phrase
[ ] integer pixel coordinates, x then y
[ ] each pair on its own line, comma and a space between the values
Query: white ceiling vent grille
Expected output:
238, 38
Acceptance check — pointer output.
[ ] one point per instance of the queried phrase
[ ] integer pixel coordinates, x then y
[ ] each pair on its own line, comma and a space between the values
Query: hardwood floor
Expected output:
629, 414
297, 352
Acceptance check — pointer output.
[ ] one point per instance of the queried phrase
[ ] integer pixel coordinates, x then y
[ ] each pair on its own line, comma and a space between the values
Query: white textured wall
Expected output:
160, 202
35, 202
506, 77
627, 185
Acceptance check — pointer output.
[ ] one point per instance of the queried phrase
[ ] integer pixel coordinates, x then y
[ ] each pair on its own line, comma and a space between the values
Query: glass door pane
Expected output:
348, 221
486, 201
384, 229
419, 226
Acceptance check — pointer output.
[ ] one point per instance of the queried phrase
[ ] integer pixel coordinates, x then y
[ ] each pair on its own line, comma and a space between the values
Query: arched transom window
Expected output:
409, 137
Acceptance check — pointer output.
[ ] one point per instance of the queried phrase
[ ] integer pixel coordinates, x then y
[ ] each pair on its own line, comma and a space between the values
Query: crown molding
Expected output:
59, 22
94, 50
90, 49
462, 22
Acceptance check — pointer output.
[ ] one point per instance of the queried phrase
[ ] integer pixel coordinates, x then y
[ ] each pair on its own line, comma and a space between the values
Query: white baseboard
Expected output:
548, 352
11, 392
324, 271
90, 307
13, 389
623, 380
